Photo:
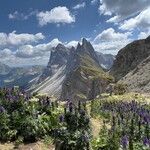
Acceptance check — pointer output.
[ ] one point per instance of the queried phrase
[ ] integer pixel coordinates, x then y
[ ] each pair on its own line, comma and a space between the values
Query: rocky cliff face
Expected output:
86, 78
132, 66
130, 57
138, 80
73, 73
58, 58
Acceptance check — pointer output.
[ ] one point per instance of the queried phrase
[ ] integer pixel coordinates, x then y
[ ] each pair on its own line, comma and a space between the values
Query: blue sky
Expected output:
30, 28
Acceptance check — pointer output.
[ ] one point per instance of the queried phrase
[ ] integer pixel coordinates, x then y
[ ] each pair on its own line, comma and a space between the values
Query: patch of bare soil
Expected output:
31, 146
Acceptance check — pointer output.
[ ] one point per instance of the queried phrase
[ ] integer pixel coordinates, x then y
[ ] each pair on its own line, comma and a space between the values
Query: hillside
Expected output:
73, 73
138, 80
85, 79
130, 57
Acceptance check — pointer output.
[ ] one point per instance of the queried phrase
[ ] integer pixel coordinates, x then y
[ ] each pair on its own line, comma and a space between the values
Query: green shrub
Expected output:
120, 88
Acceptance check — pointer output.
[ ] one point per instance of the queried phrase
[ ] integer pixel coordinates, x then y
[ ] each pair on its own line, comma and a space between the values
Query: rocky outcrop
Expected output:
130, 57
132, 66
138, 80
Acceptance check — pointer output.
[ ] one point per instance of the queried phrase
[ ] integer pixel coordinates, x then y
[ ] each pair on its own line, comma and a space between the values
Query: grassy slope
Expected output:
97, 121
90, 69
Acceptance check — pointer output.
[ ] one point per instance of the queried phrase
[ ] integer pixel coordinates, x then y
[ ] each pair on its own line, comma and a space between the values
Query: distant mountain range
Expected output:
4, 69
18, 76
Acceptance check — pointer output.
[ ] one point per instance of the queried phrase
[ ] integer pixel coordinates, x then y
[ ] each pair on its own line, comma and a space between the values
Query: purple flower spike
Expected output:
61, 118
124, 142
2, 109
146, 141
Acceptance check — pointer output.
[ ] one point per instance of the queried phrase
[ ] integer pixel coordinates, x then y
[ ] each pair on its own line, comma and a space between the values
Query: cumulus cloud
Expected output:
56, 15
122, 9
71, 43
141, 21
78, 6
13, 39
5, 53
110, 41
111, 47
29, 51
143, 35
111, 35
28, 54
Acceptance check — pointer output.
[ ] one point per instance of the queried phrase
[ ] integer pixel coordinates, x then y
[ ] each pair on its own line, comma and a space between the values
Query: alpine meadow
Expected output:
75, 75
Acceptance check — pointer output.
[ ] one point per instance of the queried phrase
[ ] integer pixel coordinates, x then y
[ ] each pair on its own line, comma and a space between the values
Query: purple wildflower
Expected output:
146, 141
61, 118
124, 142
2, 109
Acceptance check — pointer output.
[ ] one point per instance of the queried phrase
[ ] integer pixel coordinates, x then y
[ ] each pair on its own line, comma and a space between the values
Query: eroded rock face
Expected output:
138, 80
86, 78
73, 73
130, 57
58, 58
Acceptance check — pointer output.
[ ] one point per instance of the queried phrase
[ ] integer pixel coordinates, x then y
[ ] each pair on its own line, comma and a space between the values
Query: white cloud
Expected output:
13, 39
27, 51
78, 6
110, 41
111, 35
114, 19
122, 9
28, 54
71, 43
5, 53
111, 47
141, 21
56, 15
144, 35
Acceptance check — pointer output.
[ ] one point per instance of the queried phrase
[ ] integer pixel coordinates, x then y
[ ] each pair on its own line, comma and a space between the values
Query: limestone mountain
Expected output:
73, 73
138, 80
130, 57
51, 80
58, 58
132, 66
85, 79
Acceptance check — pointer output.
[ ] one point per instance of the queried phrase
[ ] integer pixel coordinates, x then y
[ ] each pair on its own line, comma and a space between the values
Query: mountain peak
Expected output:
60, 46
78, 46
84, 41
